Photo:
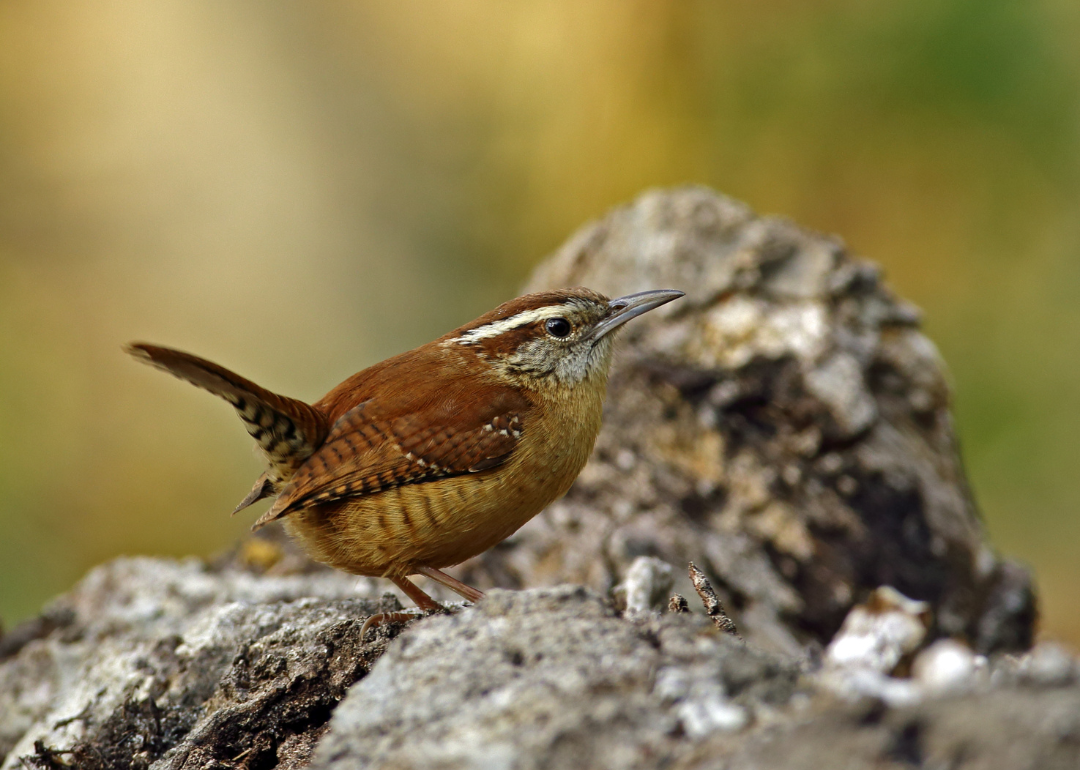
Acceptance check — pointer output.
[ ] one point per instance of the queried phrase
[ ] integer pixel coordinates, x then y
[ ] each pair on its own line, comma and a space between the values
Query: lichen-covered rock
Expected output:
151, 662
785, 426
552, 678
157, 664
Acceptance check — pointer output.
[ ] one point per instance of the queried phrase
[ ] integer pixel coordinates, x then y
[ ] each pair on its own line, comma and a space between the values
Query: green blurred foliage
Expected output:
298, 190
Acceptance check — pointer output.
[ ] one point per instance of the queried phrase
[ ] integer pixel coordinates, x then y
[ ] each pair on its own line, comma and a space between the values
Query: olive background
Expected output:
297, 190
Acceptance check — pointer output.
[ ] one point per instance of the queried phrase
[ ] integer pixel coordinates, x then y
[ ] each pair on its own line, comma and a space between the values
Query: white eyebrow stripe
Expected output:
495, 328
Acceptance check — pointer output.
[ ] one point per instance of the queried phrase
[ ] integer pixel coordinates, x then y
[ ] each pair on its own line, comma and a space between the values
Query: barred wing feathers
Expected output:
371, 449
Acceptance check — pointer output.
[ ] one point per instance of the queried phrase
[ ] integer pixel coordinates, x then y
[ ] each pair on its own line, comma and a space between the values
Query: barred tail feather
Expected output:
288, 431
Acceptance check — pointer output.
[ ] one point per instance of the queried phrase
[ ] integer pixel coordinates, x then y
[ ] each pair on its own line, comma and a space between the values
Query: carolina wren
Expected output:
435, 455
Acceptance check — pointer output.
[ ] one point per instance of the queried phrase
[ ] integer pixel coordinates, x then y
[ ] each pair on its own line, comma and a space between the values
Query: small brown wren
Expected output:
435, 455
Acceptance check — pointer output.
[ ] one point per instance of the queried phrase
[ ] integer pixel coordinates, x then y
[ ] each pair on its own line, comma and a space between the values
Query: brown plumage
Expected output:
437, 454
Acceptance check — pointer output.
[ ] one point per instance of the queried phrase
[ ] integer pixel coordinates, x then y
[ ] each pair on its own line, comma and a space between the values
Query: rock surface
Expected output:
178, 665
550, 678
554, 679
159, 664
785, 427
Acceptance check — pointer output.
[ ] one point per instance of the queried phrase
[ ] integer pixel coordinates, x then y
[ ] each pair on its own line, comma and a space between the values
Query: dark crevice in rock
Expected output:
905, 747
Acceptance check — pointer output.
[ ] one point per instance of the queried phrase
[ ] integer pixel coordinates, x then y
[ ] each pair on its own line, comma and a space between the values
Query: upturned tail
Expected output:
287, 431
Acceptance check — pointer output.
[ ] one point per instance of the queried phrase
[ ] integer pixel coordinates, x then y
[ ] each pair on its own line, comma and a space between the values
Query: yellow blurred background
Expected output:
296, 190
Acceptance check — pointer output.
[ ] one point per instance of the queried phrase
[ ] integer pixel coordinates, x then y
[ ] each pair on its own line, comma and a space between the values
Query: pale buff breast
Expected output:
442, 523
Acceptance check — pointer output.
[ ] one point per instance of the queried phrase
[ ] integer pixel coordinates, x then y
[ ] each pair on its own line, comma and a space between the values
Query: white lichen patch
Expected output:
878, 634
647, 584
742, 328
700, 717
947, 665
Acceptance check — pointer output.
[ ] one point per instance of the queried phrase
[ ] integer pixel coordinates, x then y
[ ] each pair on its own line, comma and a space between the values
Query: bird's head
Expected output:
554, 338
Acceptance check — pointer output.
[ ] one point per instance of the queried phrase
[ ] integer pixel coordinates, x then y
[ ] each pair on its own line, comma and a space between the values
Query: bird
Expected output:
437, 454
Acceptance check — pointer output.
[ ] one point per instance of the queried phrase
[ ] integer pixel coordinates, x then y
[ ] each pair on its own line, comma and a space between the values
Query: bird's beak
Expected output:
623, 309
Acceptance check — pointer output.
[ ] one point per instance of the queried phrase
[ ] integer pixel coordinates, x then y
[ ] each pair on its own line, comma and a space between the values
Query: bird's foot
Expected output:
380, 619
425, 604
408, 616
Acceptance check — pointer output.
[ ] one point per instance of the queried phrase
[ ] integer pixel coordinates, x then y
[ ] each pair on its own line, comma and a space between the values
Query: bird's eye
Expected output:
557, 327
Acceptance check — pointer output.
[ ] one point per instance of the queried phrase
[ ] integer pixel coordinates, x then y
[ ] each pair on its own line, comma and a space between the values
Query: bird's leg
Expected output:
414, 592
424, 602
453, 584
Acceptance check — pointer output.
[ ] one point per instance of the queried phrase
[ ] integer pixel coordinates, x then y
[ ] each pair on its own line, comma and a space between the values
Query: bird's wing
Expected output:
371, 448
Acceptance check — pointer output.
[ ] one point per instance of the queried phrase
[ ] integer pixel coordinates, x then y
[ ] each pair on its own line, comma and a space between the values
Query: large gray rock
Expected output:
785, 426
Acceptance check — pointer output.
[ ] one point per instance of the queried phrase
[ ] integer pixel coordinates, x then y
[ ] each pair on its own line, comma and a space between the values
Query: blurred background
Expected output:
297, 190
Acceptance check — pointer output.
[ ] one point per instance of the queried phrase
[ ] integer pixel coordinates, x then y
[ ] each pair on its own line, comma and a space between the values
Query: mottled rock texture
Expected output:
785, 426
553, 679
180, 665
157, 664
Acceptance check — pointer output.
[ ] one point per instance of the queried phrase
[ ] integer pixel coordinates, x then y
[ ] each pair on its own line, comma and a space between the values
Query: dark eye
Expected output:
557, 327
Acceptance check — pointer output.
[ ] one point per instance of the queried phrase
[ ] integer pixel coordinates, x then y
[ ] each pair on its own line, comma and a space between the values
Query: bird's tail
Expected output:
287, 431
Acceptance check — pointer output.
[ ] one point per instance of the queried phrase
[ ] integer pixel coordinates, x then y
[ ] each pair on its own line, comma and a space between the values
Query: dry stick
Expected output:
713, 608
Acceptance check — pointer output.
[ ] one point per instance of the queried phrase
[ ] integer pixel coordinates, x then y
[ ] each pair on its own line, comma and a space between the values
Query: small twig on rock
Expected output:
713, 608
46, 756
677, 603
